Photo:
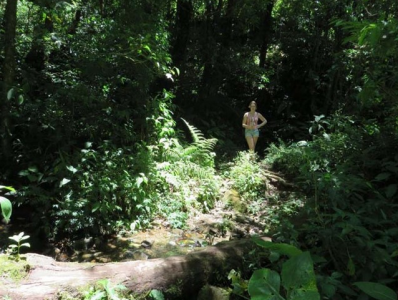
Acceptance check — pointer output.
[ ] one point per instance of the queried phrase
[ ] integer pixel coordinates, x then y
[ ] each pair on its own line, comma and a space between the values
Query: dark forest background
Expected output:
107, 105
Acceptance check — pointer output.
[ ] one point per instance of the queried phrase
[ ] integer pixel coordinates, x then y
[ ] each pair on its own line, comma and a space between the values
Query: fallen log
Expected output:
186, 274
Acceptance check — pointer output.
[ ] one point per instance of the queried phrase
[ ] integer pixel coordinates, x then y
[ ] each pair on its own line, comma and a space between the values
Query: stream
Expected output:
160, 241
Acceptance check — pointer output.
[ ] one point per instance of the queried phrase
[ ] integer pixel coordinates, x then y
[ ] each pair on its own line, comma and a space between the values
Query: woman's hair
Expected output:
252, 102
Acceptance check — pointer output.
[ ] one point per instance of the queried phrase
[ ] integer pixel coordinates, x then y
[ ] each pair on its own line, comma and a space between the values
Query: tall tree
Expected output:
10, 18
266, 32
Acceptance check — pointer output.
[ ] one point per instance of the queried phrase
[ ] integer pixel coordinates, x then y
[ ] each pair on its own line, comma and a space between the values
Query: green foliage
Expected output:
376, 290
187, 176
350, 193
5, 204
104, 290
156, 295
12, 269
247, 176
15, 248
294, 280
105, 186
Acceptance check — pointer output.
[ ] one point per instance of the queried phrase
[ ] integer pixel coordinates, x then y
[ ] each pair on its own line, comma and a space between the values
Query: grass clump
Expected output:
12, 270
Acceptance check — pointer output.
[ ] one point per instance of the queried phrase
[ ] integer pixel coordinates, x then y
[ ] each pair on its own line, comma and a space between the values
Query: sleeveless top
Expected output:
252, 120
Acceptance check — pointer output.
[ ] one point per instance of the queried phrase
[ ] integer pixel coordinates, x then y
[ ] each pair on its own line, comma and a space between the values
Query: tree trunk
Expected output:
266, 32
182, 28
185, 275
10, 17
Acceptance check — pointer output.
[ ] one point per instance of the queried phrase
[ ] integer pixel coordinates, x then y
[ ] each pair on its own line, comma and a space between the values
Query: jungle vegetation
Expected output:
114, 112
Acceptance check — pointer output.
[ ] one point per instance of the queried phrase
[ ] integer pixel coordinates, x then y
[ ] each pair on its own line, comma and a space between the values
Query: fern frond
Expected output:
198, 138
196, 134
207, 144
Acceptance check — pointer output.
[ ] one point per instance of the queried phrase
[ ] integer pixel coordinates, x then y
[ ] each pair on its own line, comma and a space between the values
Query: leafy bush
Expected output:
107, 185
186, 176
349, 181
247, 177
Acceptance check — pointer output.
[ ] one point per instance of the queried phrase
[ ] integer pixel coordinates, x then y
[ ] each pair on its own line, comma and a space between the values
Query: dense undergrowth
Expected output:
340, 205
348, 176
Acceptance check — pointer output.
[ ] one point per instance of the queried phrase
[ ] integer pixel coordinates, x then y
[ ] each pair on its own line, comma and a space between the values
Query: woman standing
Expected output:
250, 123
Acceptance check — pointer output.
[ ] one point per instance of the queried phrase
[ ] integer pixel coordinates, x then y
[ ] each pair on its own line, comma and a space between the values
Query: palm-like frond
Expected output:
198, 138
197, 135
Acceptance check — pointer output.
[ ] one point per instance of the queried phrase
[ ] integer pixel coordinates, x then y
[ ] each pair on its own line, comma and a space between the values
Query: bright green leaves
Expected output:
5, 204
297, 275
15, 248
298, 278
6, 208
264, 285
284, 249
376, 290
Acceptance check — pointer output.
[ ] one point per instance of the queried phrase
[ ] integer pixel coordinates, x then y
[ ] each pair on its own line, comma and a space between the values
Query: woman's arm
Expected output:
264, 120
244, 122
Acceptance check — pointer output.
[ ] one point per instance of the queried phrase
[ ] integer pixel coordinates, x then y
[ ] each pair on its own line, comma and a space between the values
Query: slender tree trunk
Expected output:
229, 19
10, 17
183, 22
266, 32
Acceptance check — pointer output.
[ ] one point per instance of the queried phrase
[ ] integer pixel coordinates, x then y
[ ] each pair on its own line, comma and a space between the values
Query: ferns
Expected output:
187, 170
200, 151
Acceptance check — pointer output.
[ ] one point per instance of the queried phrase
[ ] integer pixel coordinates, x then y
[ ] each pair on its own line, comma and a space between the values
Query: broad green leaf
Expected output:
264, 285
24, 237
33, 169
99, 295
383, 176
391, 190
20, 99
284, 249
72, 169
19, 237
7, 188
302, 143
96, 206
6, 208
376, 290
63, 182
298, 277
350, 267
302, 294
138, 181
10, 93
156, 295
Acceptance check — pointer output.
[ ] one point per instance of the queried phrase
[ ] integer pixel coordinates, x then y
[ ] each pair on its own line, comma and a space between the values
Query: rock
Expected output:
134, 255
139, 255
146, 244
209, 292
128, 255
232, 199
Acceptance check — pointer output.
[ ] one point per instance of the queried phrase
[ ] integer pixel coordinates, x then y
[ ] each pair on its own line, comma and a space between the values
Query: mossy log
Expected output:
181, 275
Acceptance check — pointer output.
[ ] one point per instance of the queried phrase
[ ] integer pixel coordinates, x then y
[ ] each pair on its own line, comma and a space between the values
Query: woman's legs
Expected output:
250, 142
251, 138
255, 138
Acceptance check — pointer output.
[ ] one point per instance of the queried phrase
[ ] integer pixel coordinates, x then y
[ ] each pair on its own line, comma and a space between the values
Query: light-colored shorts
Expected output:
252, 133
